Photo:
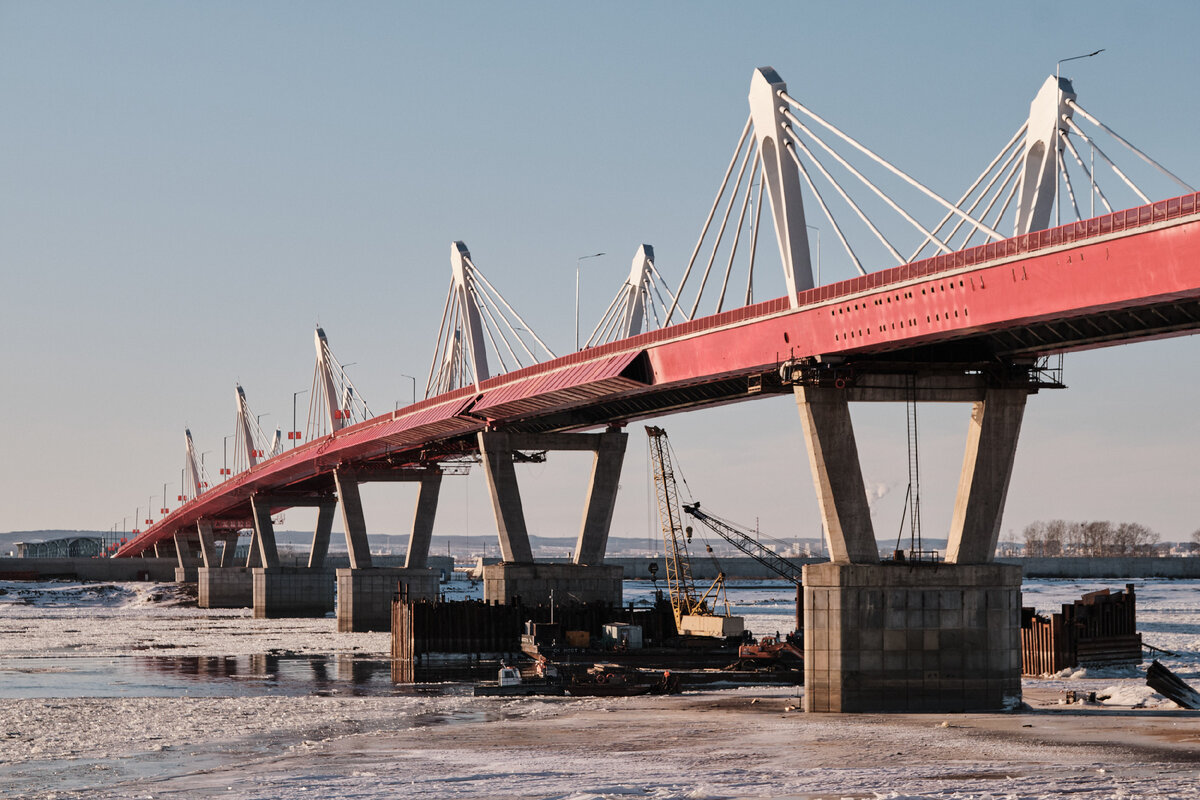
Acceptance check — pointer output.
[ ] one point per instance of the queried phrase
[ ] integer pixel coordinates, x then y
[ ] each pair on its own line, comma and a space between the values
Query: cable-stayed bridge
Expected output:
970, 315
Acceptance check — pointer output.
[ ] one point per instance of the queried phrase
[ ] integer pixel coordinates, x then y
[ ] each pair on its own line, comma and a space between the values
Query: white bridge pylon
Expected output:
800, 159
639, 304
249, 442
478, 325
195, 482
333, 403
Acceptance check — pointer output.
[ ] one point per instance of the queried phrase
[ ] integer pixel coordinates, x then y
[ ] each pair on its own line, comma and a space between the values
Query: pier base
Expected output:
364, 596
533, 583
185, 574
292, 592
225, 587
911, 637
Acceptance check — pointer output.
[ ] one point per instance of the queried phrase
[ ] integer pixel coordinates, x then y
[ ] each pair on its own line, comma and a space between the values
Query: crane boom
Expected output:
679, 567
742, 541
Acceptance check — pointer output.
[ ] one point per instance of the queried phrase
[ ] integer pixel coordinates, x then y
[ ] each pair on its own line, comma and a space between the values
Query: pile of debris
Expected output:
1098, 629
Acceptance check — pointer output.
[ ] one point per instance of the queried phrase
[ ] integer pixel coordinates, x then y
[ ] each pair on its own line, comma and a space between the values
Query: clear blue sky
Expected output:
187, 188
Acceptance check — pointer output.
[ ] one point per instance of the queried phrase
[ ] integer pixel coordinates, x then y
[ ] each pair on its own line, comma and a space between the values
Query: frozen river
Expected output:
129, 690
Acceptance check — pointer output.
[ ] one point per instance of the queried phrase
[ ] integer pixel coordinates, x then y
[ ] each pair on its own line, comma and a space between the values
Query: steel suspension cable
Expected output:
1079, 132
721, 231
825, 208
441, 332
511, 310
1010, 180
737, 233
1123, 141
1062, 170
878, 192
1020, 131
794, 141
704, 231
754, 243
894, 170
1091, 178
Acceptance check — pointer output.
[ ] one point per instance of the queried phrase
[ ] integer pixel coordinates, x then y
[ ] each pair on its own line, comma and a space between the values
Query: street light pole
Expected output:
818, 230
295, 434
225, 457
578, 263
1057, 146
414, 387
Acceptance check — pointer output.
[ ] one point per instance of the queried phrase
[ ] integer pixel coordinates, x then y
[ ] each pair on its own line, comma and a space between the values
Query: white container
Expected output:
622, 634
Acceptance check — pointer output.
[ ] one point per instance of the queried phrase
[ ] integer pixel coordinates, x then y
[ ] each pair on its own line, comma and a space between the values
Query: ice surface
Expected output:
244, 739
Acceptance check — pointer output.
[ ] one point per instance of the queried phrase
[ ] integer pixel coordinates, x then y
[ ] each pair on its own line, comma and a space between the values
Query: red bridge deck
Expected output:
1127, 276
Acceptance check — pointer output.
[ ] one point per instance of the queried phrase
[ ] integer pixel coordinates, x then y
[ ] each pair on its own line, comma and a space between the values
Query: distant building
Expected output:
66, 547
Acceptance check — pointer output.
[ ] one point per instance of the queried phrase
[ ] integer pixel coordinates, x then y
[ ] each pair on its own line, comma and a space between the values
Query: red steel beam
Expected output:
1136, 258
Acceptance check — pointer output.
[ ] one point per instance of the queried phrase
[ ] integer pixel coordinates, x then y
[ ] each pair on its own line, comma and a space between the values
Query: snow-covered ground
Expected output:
129, 690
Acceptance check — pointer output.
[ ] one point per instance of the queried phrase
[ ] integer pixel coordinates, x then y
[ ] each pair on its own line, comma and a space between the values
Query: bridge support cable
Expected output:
1066, 176
1095, 188
1012, 152
1104, 157
1079, 109
708, 221
751, 153
837, 229
1012, 183
795, 142
899, 173
475, 316
882, 195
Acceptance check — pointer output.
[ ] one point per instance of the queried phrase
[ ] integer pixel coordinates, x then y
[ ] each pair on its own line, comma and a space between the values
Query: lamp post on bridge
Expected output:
1057, 146
414, 387
578, 263
294, 434
203, 472
818, 230
225, 457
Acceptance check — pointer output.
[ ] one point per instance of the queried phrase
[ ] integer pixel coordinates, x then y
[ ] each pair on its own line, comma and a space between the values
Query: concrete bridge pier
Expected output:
586, 578
912, 635
280, 591
220, 584
364, 592
187, 562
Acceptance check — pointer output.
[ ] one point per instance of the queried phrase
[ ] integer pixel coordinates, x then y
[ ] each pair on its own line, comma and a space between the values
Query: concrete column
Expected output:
602, 498
497, 452
184, 554
208, 550
423, 518
264, 534
353, 520
320, 543
229, 549
987, 469
833, 457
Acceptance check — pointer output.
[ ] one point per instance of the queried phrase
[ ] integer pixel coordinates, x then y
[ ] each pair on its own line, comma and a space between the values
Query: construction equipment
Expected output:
692, 613
767, 648
781, 566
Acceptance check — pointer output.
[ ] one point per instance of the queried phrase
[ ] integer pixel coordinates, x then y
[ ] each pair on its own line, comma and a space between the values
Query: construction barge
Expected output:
472, 640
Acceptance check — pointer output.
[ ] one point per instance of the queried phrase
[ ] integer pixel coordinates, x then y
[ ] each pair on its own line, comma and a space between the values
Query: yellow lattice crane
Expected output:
693, 616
